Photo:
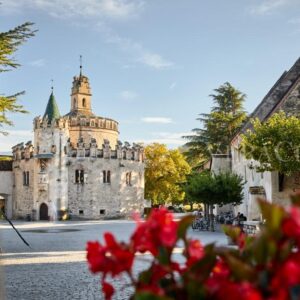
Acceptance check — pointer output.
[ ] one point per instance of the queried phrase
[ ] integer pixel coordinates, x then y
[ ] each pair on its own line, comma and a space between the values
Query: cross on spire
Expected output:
52, 85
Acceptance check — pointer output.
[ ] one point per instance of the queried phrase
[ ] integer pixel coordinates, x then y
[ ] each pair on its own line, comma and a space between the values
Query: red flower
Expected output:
291, 225
220, 288
159, 230
287, 275
108, 290
241, 241
221, 270
113, 258
195, 252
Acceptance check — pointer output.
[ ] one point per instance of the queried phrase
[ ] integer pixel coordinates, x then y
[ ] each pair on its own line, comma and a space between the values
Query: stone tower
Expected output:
81, 96
83, 123
50, 137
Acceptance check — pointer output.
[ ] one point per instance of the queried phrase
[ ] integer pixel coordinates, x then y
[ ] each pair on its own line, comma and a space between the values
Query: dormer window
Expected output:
83, 102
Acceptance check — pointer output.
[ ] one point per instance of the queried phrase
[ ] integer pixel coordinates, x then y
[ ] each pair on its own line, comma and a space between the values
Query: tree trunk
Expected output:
211, 218
206, 213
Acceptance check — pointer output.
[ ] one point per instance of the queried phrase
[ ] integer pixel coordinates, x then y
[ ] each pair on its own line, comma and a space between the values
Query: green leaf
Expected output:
232, 231
273, 215
149, 296
164, 255
145, 276
240, 270
183, 226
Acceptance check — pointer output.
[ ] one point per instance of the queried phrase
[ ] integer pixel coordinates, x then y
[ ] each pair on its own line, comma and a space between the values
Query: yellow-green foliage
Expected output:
165, 171
6, 158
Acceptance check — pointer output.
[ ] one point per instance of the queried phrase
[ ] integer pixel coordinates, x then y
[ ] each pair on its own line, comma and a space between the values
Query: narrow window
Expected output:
27, 178
108, 177
104, 176
79, 176
81, 212
102, 211
82, 176
128, 178
132, 155
124, 154
83, 102
24, 178
74, 103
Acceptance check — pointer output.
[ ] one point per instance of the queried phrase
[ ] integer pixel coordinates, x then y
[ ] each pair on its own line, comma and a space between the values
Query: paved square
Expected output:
55, 267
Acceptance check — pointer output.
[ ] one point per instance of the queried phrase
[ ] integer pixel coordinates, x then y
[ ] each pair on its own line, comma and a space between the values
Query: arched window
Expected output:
83, 102
79, 176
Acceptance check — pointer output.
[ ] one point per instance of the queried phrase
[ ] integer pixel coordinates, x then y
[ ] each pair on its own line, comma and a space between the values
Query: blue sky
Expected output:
151, 64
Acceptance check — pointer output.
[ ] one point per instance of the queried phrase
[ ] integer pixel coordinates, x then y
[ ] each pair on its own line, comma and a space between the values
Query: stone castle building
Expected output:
76, 166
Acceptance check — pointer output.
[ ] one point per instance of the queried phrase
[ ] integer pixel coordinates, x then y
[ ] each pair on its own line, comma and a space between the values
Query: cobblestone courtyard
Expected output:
55, 266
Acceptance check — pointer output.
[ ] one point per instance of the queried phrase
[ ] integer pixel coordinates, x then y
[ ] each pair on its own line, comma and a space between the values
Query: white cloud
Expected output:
160, 120
128, 95
13, 138
171, 139
98, 11
137, 50
113, 9
38, 63
269, 6
155, 61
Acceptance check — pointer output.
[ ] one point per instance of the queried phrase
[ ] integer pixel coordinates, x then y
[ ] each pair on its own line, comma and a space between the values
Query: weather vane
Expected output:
80, 65
52, 83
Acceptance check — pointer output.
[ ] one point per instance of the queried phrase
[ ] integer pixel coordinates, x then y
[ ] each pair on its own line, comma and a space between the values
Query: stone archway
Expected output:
44, 212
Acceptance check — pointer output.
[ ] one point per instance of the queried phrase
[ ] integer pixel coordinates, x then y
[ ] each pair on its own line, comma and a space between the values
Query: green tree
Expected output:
219, 126
275, 144
165, 172
9, 44
214, 189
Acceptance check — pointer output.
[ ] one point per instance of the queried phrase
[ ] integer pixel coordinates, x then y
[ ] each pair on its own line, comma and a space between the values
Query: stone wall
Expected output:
23, 193
6, 186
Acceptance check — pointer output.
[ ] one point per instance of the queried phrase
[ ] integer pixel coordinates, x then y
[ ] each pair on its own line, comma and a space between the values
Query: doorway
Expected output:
44, 212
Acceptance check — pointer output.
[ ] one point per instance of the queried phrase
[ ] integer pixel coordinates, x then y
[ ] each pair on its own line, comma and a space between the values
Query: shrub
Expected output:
266, 266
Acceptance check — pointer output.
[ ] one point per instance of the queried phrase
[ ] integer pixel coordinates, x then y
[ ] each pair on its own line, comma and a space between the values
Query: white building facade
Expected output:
272, 186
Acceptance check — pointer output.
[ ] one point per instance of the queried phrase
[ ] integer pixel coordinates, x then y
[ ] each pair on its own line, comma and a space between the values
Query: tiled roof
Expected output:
52, 110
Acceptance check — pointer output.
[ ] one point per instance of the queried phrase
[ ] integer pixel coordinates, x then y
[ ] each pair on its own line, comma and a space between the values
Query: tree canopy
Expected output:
219, 126
165, 172
211, 189
9, 44
275, 144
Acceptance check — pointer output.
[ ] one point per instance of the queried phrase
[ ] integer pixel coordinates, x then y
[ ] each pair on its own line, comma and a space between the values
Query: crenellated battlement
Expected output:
43, 123
93, 122
121, 152
76, 121
21, 151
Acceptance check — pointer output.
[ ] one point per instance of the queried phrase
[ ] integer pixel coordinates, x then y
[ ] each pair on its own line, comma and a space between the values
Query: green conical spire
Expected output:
52, 110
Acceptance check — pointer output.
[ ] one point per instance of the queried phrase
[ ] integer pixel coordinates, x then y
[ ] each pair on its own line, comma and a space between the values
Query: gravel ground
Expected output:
55, 265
